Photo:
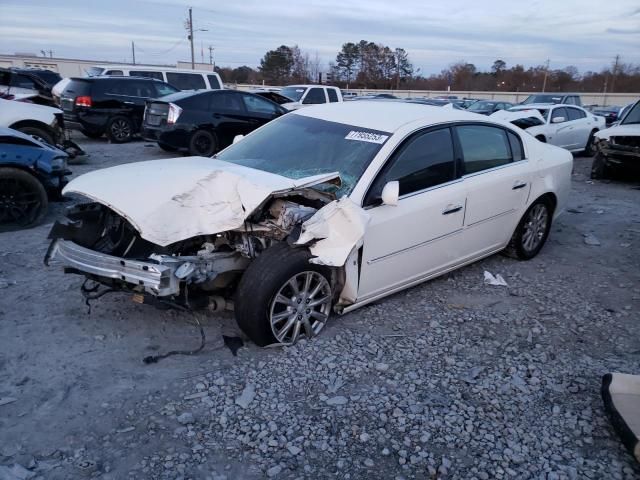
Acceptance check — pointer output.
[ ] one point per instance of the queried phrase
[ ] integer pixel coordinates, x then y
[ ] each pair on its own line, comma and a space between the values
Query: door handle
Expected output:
518, 185
449, 209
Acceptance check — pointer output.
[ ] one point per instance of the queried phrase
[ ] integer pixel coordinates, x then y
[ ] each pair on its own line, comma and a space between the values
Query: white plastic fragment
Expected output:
247, 396
338, 228
496, 281
591, 239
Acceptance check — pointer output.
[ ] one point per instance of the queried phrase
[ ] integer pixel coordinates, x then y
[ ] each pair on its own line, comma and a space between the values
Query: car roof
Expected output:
150, 68
309, 86
115, 77
384, 116
545, 105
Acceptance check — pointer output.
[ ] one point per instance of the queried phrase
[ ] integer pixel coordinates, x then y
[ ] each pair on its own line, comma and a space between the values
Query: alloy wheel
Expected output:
18, 204
121, 129
535, 227
301, 306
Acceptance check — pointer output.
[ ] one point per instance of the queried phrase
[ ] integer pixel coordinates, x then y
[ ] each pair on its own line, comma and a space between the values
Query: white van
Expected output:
180, 78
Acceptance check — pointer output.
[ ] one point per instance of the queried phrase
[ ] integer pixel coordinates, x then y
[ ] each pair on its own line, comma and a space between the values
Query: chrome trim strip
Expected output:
417, 245
491, 218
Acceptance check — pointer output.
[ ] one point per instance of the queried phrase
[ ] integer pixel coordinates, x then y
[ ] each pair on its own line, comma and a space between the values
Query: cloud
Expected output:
577, 32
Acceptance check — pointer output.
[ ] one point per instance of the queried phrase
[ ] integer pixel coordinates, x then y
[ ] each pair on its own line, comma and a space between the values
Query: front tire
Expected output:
39, 134
120, 130
589, 149
203, 144
23, 199
532, 231
282, 296
599, 168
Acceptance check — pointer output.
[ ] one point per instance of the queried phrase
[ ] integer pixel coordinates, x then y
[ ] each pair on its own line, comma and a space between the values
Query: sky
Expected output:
583, 33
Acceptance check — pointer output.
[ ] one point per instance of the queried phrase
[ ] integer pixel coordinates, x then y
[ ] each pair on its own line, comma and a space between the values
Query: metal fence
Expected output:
603, 99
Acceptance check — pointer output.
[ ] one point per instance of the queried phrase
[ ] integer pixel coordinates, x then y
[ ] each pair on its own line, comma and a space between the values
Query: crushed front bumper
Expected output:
153, 278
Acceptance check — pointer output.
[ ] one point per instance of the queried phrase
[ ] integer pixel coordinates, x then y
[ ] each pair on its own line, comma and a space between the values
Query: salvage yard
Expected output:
450, 379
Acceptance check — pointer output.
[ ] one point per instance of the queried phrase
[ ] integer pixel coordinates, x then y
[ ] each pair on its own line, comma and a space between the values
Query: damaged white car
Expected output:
566, 126
324, 209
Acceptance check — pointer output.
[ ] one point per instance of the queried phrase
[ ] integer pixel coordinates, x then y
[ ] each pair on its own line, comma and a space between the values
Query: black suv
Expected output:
109, 105
205, 122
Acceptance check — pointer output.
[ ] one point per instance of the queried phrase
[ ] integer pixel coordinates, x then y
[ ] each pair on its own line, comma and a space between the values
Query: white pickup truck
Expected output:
305, 95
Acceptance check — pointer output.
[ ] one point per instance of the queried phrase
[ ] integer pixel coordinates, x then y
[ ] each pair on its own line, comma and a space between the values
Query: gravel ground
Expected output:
450, 379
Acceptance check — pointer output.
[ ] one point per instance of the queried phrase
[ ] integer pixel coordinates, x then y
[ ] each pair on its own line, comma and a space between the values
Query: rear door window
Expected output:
559, 112
163, 89
516, 146
575, 114
130, 88
114, 73
225, 102
483, 147
315, 96
5, 79
214, 83
147, 74
23, 81
333, 96
258, 106
186, 81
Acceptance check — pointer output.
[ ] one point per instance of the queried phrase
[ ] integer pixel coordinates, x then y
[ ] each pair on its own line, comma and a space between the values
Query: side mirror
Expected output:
391, 193
558, 120
237, 138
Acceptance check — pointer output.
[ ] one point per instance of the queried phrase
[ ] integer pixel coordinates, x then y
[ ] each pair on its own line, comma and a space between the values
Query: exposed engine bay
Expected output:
207, 263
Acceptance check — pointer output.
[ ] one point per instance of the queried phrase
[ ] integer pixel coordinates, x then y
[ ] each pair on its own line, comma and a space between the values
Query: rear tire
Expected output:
23, 199
599, 168
203, 144
264, 306
120, 130
532, 231
38, 133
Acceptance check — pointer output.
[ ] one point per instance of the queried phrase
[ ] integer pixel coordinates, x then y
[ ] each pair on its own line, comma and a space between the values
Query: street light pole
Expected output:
193, 65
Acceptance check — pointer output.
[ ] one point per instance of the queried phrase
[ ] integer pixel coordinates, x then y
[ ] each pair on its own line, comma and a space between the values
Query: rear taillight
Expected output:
83, 101
174, 113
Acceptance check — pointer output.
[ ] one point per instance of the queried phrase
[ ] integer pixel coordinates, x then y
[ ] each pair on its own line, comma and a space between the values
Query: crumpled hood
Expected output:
178, 198
507, 116
617, 131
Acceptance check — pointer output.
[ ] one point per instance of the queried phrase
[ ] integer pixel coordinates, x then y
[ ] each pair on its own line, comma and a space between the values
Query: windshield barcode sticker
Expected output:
366, 137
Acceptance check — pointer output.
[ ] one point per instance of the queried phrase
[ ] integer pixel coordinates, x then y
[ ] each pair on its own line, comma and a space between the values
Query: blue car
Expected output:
31, 173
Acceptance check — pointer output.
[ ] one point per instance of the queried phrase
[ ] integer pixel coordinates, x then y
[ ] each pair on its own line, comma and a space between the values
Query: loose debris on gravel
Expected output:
453, 379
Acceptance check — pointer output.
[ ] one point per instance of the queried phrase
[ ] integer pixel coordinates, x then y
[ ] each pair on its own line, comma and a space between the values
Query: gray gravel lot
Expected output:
450, 379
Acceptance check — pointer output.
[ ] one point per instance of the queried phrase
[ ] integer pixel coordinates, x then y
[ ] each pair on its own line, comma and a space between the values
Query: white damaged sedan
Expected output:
323, 210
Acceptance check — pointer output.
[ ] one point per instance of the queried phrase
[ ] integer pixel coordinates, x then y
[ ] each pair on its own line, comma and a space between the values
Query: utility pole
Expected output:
546, 72
133, 52
615, 73
193, 65
50, 53
211, 49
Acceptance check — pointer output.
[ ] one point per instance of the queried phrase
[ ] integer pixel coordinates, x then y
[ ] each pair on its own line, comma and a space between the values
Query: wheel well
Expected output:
551, 199
34, 124
26, 169
542, 138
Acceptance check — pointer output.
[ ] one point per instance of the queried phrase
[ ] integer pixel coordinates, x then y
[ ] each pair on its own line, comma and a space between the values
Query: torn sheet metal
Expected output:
337, 228
179, 198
